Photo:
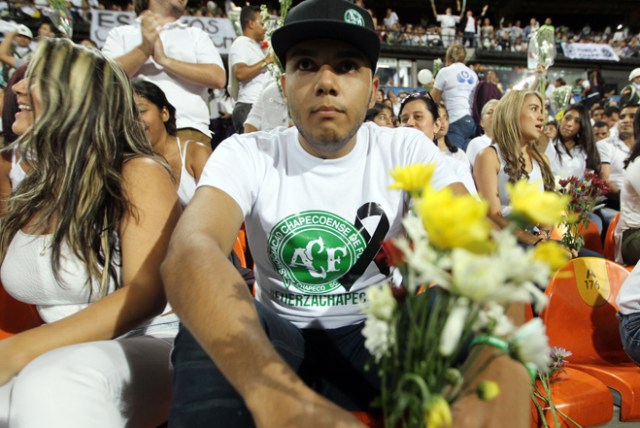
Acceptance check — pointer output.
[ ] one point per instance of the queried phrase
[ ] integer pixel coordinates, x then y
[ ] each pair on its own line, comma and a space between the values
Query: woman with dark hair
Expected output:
381, 114
420, 111
186, 158
82, 240
627, 233
573, 151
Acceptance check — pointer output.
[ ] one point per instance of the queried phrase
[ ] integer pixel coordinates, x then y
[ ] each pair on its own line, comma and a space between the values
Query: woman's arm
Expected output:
485, 175
197, 156
144, 235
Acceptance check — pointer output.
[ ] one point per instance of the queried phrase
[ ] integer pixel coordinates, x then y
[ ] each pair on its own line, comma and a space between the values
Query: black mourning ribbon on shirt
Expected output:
370, 209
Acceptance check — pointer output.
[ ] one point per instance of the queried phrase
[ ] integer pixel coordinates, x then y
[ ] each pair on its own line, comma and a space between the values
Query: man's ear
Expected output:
374, 90
283, 83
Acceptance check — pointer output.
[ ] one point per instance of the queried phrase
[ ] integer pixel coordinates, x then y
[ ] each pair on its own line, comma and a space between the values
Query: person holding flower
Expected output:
518, 122
317, 206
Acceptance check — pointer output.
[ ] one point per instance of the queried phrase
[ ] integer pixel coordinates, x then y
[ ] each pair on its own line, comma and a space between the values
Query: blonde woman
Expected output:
83, 239
518, 121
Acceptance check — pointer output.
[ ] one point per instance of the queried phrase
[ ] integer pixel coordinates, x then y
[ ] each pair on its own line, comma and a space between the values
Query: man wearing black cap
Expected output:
316, 205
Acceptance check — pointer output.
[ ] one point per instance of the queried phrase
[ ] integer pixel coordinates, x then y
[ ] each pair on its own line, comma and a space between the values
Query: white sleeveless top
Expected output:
16, 173
27, 275
187, 185
503, 178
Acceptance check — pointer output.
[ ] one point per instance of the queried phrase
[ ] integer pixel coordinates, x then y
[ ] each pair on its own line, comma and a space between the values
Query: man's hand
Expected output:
149, 29
307, 409
158, 52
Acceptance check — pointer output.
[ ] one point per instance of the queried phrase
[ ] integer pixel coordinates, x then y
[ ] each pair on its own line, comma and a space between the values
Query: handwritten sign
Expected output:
220, 30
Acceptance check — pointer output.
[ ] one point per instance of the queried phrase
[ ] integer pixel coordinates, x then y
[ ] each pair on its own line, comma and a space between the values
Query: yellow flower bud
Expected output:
488, 390
438, 413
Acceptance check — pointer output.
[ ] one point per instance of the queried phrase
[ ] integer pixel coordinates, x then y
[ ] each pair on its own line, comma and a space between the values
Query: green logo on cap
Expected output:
352, 16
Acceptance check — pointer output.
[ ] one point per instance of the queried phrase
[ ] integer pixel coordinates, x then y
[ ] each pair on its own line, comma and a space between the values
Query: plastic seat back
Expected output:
16, 316
609, 239
581, 314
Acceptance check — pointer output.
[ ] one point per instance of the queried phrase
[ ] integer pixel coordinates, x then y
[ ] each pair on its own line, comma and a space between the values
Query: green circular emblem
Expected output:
352, 16
311, 250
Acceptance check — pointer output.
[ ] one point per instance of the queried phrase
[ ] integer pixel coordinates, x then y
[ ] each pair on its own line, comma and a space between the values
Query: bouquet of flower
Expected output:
542, 51
542, 389
585, 193
469, 275
61, 17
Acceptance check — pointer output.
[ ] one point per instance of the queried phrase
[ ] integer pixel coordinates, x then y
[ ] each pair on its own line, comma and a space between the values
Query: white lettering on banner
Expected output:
595, 51
220, 30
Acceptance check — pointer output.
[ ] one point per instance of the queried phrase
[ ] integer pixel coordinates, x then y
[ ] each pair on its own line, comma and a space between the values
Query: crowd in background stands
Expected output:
502, 35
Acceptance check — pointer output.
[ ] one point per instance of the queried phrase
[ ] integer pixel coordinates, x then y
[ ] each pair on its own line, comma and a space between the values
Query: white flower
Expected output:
381, 302
529, 344
454, 326
378, 337
426, 264
482, 279
493, 319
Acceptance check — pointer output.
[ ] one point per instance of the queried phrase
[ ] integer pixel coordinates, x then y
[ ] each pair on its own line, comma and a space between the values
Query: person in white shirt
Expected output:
181, 60
248, 73
613, 153
480, 143
448, 23
269, 112
236, 359
573, 151
419, 111
627, 233
456, 84
390, 19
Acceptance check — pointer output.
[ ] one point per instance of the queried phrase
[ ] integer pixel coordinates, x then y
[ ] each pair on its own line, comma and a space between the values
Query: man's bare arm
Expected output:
206, 290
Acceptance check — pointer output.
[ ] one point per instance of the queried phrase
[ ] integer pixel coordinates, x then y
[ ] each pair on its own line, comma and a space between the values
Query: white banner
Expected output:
220, 30
589, 51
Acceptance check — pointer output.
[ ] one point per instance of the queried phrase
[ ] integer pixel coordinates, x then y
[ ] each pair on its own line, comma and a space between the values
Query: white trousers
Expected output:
448, 36
111, 383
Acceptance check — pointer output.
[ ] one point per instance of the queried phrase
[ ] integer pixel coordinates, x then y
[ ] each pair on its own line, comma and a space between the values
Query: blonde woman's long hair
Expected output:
87, 127
506, 135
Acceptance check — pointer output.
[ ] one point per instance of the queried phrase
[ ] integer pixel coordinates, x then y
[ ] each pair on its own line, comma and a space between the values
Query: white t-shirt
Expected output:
184, 43
309, 219
391, 20
475, 146
470, 26
614, 152
460, 166
458, 85
270, 110
628, 299
448, 21
565, 164
245, 50
629, 205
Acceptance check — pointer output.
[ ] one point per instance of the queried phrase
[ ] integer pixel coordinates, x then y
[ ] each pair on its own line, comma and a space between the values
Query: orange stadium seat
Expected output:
16, 316
609, 240
581, 317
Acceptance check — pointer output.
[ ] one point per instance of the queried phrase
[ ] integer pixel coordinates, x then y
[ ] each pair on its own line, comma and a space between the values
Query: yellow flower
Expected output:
538, 206
487, 390
412, 178
455, 221
439, 413
551, 253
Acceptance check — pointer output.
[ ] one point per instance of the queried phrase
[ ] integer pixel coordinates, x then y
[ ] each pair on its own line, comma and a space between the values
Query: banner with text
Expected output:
220, 30
595, 51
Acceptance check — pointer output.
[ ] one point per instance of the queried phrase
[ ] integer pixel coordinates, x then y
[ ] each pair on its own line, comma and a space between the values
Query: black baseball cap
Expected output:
328, 19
